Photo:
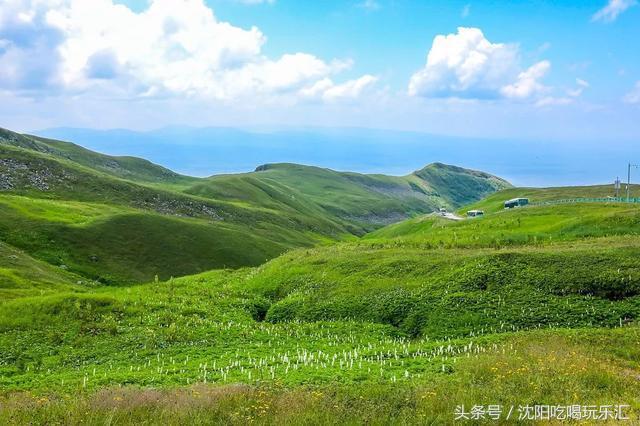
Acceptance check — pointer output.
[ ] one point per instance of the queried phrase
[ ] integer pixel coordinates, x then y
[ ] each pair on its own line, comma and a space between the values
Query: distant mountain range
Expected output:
215, 150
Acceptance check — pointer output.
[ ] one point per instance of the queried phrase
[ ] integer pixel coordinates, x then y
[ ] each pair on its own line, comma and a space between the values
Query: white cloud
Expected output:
327, 90
467, 65
633, 97
165, 50
528, 82
582, 85
612, 10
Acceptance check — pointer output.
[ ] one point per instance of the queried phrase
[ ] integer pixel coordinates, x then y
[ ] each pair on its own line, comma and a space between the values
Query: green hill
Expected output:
513, 269
68, 214
125, 220
21, 275
525, 306
131, 168
495, 202
363, 201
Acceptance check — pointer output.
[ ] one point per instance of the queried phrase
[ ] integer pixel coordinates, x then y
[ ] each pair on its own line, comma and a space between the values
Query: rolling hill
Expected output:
366, 201
528, 305
565, 266
125, 220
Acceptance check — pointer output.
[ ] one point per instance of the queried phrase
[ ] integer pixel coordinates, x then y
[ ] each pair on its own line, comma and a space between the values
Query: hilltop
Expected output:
364, 201
124, 219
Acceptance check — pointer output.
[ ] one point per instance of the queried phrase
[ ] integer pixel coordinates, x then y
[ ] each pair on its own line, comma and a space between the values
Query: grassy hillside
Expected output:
131, 168
21, 275
460, 186
581, 367
537, 305
455, 292
364, 201
531, 225
112, 244
390, 329
548, 265
495, 202
67, 214
125, 220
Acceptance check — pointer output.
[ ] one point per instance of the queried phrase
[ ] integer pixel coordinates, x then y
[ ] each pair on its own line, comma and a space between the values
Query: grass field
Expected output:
291, 317
392, 332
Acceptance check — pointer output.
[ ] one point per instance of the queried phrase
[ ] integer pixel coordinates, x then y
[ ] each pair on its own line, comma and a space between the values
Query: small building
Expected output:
475, 213
516, 202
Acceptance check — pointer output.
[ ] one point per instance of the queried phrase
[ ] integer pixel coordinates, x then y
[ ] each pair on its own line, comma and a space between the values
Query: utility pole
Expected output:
629, 179
616, 185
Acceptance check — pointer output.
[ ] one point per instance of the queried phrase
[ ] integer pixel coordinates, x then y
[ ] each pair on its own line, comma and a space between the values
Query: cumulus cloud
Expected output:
633, 97
167, 49
612, 10
327, 90
528, 82
28, 56
467, 65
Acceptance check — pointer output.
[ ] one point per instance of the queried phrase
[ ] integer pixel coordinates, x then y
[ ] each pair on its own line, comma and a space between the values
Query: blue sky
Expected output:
393, 39
559, 70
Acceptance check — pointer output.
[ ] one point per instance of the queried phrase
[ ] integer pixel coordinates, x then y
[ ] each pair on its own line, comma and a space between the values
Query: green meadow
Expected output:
299, 295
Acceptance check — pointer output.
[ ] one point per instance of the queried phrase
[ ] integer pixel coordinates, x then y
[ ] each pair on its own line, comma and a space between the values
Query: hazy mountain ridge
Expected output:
215, 150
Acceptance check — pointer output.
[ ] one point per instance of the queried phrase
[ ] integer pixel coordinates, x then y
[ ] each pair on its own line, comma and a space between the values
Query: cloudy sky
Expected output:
561, 70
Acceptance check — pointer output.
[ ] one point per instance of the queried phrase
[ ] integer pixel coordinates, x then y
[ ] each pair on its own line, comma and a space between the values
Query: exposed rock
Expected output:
15, 174
179, 207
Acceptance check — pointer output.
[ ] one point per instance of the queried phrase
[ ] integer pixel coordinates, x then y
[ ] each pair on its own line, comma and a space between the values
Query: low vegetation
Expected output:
122, 220
536, 305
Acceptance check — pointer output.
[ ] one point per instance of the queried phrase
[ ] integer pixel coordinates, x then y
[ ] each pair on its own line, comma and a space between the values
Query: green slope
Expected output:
142, 220
399, 328
460, 186
362, 201
132, 168
21, 275
531, 225
117, 245
495, 202
66, 213
562, 266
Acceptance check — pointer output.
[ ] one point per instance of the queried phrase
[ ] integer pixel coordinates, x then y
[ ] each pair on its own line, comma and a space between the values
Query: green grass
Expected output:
363, 201
21, 275
66, 214
121, 220
117, 245
525, 226
456, 292
195, 349
537, 305
562, 368
131, 168
495, 202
